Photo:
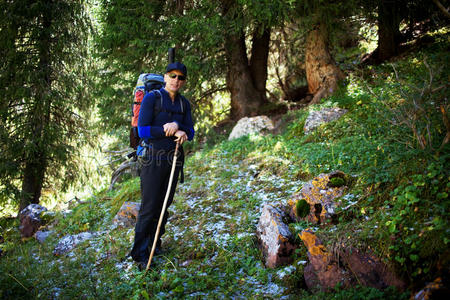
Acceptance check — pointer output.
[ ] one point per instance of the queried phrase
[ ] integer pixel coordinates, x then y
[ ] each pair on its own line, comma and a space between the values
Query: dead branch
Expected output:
112, 162
77, 200
127, 166
442, 8
440, 88
118, 152
212, 92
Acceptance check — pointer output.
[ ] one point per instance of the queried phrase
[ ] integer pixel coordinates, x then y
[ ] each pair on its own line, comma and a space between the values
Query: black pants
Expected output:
154, 182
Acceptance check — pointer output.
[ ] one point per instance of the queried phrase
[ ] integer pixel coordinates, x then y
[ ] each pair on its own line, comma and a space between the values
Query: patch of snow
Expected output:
125, 268
244, 234
222, 239
285, 271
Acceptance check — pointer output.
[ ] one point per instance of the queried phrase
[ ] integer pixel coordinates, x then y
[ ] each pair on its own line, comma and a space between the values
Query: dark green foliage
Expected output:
127, 45
302, 208
424, 197
135, 37
43, 87
151, 28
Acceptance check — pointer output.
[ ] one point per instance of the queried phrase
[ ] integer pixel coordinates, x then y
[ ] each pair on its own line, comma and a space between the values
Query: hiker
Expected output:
160, 129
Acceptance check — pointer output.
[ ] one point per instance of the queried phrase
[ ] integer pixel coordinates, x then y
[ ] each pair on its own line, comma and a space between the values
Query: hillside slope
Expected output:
399, 208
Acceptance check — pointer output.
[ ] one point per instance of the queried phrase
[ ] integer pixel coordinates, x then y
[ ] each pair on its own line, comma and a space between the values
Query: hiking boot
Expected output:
142, 264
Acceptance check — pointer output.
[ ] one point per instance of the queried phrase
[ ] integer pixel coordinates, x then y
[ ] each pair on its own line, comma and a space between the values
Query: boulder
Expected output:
69, 242
348, 266
433, 290
323, 272
369, 270
127, 214
321, 197
41, 236
274, 237
316, 118
30, 219
251, 125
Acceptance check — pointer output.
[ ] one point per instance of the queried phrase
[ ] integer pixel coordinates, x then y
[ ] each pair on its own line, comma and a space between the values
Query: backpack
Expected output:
147, 82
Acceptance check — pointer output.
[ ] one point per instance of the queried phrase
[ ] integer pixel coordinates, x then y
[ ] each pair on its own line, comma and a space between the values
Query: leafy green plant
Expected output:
419, 218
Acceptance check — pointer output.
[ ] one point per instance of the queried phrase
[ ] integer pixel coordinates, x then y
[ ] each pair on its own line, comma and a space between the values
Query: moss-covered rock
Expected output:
321, 198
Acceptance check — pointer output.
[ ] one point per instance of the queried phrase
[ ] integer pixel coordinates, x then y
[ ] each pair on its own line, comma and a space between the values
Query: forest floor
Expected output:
210, 243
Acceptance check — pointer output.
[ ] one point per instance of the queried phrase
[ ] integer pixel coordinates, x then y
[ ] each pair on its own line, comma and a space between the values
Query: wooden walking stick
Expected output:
161, 217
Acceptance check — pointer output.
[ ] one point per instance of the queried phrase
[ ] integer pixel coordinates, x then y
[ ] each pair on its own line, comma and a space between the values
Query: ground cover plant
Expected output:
390, 143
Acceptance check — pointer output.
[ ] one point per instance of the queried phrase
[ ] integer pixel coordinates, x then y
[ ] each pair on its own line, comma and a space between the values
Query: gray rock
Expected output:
127, 214
69, 242
30, 219
251, 125
316, 118
274, 237
41, 236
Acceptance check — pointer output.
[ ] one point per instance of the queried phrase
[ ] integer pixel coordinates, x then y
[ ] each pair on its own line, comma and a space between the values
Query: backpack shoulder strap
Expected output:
158, 103
183, 103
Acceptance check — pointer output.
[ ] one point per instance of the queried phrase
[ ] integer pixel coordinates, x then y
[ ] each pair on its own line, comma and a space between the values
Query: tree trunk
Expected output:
388, 29
322, 73
258, 61
245, 98
32, 183
36, 155
246, 82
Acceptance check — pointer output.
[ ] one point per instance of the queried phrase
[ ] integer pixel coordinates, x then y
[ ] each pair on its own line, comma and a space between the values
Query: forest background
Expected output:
69, 68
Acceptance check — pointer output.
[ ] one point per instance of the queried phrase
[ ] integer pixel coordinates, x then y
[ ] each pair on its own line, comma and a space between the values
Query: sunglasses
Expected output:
180, 77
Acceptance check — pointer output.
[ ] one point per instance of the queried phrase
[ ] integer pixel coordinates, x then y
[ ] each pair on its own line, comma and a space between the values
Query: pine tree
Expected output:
43, 94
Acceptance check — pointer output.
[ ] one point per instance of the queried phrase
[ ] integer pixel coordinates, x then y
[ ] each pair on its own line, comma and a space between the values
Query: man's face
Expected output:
174, 84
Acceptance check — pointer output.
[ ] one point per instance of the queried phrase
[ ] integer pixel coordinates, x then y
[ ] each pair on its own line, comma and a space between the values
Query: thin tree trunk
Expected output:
36, 157
322, 73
